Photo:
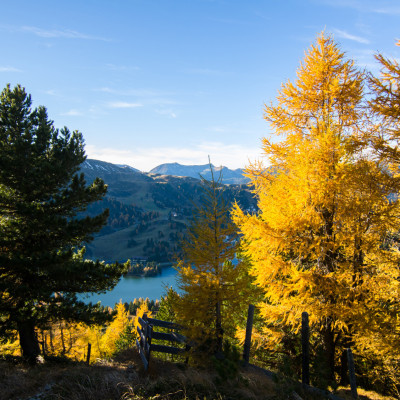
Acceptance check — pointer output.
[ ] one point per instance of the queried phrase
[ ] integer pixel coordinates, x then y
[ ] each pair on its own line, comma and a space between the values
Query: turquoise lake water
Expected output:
131, 287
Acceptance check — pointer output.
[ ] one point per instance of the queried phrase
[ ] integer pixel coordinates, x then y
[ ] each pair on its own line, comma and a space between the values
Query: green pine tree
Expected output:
42, 228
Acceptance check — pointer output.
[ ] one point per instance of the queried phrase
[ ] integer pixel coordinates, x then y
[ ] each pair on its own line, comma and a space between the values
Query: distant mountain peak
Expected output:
123, 171
128, 167
98, 165
229, 176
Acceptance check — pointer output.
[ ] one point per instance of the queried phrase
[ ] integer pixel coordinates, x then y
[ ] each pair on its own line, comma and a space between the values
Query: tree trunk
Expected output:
51, 339
62, 338
28, 341
346, 343
218, 326
329, 348
344, 369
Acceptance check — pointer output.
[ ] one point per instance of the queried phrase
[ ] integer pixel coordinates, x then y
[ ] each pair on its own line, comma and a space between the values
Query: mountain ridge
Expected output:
229, 176
149, 212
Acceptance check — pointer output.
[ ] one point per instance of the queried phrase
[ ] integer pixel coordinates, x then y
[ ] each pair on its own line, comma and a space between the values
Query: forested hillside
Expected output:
148, 212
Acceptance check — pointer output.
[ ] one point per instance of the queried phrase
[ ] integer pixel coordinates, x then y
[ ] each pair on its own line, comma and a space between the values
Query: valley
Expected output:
149, 212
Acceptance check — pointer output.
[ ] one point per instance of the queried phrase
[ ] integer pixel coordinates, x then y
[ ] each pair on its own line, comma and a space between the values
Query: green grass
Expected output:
114, 246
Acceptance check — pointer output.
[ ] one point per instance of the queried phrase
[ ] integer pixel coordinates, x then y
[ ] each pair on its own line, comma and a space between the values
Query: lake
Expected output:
131, 287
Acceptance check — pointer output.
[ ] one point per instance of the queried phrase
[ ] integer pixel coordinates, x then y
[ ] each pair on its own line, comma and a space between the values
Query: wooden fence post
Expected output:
89, 348
352, 374
249, 327
141, 343
305, 347
43, 348
187, 348
145, 334
144, 344
43, 343
149, 336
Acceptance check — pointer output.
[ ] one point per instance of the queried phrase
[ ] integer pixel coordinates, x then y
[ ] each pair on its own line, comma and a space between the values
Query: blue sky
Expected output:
155, 81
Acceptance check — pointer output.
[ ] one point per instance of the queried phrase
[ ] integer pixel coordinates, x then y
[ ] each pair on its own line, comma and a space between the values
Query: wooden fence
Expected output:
147, 334
305, 370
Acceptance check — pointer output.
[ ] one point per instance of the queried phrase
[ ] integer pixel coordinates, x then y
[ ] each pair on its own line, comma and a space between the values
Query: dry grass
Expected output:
166, 380
345, 393
124, 379
65, 380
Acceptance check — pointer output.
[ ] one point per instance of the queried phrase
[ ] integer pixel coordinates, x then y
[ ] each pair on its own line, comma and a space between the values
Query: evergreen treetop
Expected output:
42, 231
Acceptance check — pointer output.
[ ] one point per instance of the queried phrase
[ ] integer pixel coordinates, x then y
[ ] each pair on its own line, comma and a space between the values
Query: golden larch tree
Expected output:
211, 283
121, 321
317, 244
385, 104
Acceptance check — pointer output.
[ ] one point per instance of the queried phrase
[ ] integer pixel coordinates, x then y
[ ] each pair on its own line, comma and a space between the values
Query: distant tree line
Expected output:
157, 250
181, 198
144, 269
166, 196
132, 306
122, 215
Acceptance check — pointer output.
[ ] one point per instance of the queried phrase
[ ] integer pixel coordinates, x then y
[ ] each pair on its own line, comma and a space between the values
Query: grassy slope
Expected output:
124, 378
113, 246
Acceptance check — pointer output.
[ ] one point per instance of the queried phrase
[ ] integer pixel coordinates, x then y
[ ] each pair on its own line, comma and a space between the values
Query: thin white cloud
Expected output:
51, 92
144, 97
204, 71
9, 69
73, 113
218, 129
345, 35
365, 6
263, 16
388, 10
145, 159
365, 58
230, 21
123, 104
133, 92
356, 4
114, 67
60, 33
168, 112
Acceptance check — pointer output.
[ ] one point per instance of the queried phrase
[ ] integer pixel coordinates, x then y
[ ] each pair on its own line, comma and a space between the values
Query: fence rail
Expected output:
147, 334
145, 346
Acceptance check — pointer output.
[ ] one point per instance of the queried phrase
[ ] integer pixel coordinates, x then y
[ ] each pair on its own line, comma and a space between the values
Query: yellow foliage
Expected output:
114, 330
141, 310
71, 340
11, 347
320, 242
212, 286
